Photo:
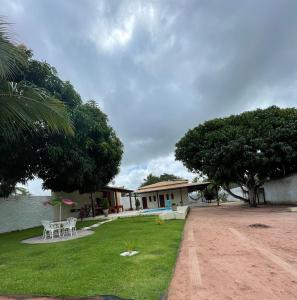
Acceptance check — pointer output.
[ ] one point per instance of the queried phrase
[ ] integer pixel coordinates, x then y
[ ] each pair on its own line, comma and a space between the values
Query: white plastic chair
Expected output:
56, 226
47, 229
70, 226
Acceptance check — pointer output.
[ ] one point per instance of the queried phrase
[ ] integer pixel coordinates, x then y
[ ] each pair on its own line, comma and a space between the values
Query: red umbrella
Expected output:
59, 201
68, 202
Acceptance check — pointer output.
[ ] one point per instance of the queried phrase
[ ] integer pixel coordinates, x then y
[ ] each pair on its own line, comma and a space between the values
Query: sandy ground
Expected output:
221, 257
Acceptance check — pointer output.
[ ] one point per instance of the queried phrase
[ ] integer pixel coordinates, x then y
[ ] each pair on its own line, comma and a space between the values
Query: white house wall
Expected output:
21, 212
79, 199
282, 191
177, 195
237, 191
125, 201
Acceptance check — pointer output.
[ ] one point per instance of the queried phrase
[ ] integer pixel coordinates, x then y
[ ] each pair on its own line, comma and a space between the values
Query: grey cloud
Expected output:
158, 68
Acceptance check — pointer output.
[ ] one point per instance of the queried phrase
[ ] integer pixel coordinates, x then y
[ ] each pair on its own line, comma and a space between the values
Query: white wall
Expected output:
278, 191
282, 191
237, 191
21, 212
176, 194
126, 202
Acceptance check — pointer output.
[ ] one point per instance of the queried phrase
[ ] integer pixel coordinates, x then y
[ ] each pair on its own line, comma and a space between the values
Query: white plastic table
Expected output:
58, 226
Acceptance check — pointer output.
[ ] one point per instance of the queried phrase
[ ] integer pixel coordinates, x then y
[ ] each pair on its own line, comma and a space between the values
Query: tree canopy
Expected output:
84, 161
45, 76
11, 58
23, 106
245, 149
150, 179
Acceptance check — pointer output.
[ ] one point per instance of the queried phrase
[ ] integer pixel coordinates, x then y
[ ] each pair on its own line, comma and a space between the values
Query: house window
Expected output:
150, 198
167, 196
172, 196
155, 199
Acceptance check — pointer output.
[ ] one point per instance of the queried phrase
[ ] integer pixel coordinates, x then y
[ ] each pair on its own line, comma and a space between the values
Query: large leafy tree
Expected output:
18, 160
85, 162
151, 179
45, 76
246, 149
23, 106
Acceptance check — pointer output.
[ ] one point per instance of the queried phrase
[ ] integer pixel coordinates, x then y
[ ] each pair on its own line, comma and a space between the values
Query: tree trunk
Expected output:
217, 195
92, 203
253, 196
252, 187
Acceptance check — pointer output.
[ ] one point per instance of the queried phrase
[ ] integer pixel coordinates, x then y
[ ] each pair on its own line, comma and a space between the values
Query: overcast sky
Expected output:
158, 68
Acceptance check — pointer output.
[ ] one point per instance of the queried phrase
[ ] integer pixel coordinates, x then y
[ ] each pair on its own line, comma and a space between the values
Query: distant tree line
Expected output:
151, 179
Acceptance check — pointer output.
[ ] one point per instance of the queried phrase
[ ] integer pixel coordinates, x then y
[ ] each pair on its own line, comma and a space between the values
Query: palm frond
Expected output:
23, 107
11, 58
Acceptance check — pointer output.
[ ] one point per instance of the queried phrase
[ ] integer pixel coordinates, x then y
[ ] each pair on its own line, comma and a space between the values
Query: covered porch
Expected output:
114, 197
90, 205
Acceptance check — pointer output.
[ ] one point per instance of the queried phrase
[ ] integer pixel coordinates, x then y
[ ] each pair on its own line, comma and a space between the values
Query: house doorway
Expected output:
106, 194
162, 201
144, 202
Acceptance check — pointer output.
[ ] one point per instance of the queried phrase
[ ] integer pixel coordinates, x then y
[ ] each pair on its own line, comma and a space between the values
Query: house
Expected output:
87, 205
155, 195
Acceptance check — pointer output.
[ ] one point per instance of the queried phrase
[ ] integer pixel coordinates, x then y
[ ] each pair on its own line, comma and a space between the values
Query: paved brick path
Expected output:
222, 257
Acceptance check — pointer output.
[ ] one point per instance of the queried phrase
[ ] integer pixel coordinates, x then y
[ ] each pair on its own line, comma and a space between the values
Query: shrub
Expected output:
159, 221
137, 203
129, 246
105, 203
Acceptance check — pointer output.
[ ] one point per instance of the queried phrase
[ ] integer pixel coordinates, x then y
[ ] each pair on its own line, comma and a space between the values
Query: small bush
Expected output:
129, 246
159, 221
137, 203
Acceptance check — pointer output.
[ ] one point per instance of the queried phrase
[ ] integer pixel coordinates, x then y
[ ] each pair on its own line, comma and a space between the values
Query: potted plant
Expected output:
105, 206
174, 206
137, 204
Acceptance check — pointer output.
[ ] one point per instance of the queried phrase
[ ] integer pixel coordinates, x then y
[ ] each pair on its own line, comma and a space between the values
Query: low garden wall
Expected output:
21, 212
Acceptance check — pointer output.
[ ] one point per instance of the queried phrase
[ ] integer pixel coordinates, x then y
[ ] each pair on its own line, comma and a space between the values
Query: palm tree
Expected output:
22, 106
21, 191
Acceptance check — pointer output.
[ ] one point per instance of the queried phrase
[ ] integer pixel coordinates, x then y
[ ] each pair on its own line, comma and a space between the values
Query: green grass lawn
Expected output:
92, 266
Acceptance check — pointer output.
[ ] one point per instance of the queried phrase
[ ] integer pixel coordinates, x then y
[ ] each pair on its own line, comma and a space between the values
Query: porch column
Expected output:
116, 200
181, 196
131, 207
158, 200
